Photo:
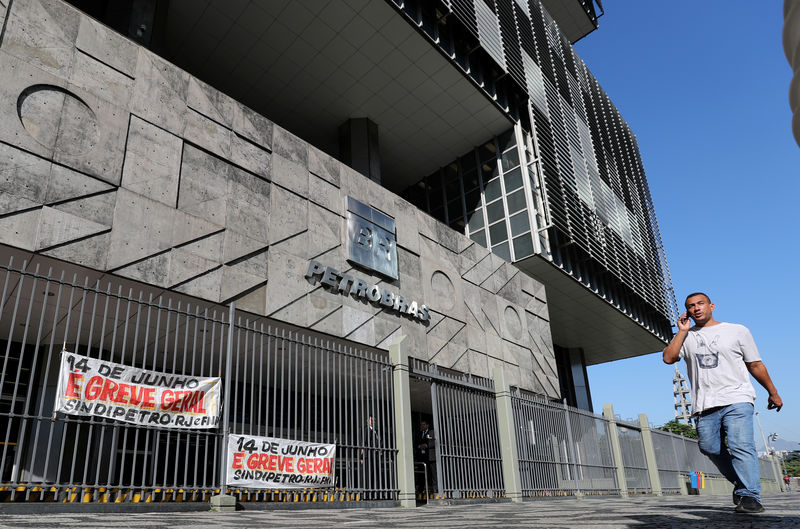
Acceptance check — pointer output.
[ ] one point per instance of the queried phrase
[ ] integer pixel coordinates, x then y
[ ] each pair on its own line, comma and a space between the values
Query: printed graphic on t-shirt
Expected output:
708, 358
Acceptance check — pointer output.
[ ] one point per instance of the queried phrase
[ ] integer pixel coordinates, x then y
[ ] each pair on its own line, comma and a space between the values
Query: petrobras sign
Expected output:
371, 240
346, 284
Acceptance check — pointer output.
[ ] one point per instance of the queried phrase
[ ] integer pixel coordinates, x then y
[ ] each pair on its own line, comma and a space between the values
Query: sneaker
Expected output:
749, 505
736, 499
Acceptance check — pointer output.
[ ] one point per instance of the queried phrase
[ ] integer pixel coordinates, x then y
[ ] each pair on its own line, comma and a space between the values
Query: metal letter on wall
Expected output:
371, 240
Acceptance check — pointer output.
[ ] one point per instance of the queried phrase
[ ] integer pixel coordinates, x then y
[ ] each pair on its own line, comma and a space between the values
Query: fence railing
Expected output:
677, 455
633, 458
562, 450
277, 381
280, 382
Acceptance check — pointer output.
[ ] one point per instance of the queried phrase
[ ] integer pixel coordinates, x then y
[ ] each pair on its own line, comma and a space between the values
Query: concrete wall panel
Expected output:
148, 173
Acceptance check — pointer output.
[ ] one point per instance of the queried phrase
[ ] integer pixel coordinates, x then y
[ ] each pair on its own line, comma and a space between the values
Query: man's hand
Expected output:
759, 372
673, 351
775, 402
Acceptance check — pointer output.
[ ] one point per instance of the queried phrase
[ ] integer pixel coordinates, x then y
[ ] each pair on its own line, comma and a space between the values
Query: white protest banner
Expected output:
92, 387
271, 463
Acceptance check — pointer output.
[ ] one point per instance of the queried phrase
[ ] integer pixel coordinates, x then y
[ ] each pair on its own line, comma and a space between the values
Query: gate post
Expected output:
776, 471
650, 455
508, 438
224, 502
404, 436
616, 451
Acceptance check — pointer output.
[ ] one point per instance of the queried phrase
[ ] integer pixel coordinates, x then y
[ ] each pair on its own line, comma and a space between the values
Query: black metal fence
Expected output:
277, 382
281, 383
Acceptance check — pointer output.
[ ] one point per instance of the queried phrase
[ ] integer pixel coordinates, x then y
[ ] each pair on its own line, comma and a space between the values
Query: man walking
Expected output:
718, 358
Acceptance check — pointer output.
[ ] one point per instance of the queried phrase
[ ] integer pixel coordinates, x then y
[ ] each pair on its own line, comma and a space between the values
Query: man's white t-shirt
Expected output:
715, 361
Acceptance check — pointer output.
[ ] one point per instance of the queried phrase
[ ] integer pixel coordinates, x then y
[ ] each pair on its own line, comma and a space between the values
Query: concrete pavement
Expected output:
706, 512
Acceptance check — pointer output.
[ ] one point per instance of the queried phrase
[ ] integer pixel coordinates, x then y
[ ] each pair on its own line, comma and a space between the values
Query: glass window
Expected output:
473, 199
436, 197
438, 213
498, 232
458, 224
453, 189
515, 201
450, 172
501, 250
492, 191
476, 221
479, 237
416, 195
489, 171
468, 161
454, 208
520, 223
471, 179
506, 139
495, 211
523, 246
487, 152
513, 179
510, 159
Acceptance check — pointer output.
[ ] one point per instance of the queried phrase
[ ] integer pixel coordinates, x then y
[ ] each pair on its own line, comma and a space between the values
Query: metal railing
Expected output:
63, 457
469, 463
280, 382
291, 385
562, 450
676, 456
277, 382
633, 457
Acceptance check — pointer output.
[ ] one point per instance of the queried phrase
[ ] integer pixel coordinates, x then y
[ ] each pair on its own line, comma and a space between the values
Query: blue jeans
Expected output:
739, 461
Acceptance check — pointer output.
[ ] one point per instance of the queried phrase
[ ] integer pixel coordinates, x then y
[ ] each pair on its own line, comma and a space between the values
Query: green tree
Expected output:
679, 428
792, 462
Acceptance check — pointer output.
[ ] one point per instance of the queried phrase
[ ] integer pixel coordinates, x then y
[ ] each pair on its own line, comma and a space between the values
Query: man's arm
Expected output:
759, 372
673, 351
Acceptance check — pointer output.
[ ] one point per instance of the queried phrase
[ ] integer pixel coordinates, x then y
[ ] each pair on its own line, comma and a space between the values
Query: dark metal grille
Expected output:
277, 382
469, 445
562, 450
290, 385
67, 458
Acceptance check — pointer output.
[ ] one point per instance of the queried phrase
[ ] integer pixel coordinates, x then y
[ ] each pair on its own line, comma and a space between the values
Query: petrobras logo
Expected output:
371, 240
346, 284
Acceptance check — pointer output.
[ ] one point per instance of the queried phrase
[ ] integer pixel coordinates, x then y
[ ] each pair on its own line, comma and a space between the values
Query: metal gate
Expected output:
468, 458
277, 381
562, 450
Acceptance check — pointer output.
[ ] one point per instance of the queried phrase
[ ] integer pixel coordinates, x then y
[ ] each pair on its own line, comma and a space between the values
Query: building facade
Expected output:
280, 195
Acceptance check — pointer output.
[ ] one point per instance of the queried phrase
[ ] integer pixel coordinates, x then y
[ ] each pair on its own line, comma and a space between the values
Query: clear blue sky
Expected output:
703, 85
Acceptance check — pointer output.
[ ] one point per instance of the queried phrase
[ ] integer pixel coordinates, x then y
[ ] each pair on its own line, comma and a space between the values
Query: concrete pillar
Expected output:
358, 147
404, 435
616, 451
650, 455
776, 471
508, 438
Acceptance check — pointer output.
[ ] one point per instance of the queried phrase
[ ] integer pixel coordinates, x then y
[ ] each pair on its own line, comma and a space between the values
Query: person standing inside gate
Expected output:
718, 357
426, 451
371, 457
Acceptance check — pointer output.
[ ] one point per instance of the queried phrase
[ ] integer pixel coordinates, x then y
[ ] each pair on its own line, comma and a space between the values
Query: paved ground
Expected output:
705, 512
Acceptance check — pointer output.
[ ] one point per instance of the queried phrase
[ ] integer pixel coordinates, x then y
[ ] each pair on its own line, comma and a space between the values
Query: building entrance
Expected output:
460, 449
